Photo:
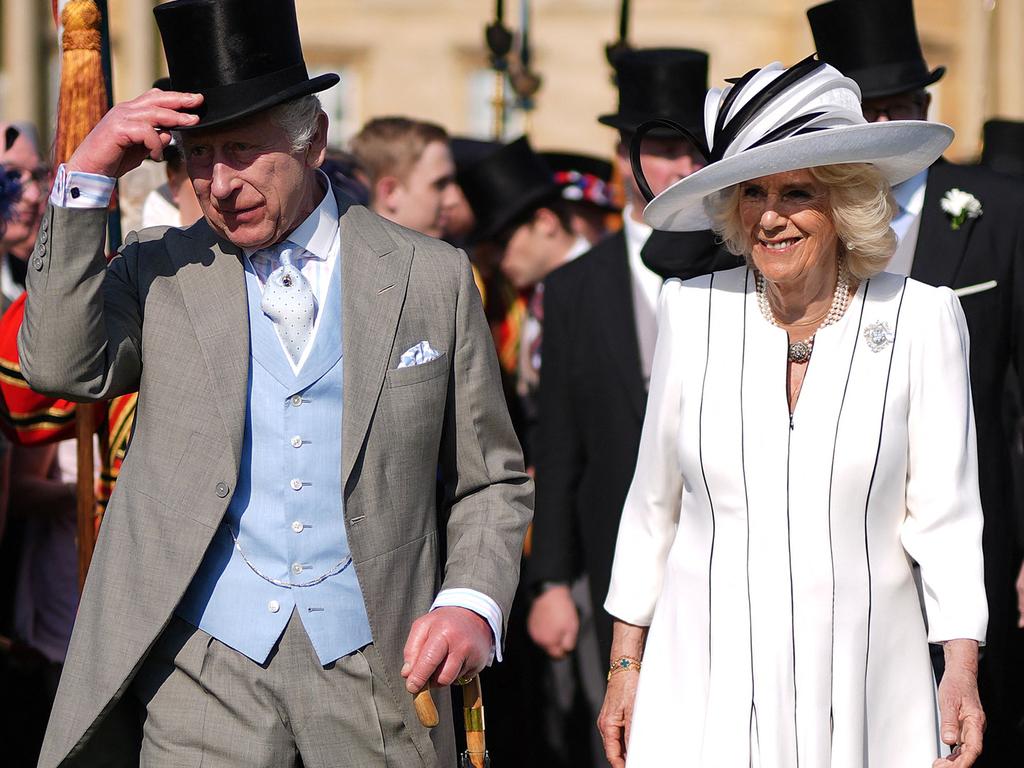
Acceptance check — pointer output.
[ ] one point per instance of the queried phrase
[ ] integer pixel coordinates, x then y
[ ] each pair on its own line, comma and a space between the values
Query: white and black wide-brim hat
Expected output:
774, 120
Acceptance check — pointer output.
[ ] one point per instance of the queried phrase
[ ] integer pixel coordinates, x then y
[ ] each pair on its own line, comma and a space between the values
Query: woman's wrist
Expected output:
627, 641
961, 653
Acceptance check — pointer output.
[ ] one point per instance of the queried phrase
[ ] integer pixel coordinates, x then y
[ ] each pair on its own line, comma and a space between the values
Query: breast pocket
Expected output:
415, 374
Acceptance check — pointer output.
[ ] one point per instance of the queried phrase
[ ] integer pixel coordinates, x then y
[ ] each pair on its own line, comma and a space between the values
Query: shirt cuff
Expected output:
478, 603
75, 189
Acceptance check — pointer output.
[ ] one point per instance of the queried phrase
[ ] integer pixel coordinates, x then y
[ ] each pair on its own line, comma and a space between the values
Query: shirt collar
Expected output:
907, 194
636, 232
579, 247
317, 231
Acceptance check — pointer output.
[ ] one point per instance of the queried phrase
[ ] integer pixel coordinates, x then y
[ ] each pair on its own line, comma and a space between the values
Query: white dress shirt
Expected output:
320, 236
646, 289
909, 196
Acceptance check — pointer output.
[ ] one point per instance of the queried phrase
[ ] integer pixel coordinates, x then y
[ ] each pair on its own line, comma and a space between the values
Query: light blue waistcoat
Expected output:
291, 536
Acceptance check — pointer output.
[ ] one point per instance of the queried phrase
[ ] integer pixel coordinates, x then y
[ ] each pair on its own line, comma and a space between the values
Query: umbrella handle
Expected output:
425, 709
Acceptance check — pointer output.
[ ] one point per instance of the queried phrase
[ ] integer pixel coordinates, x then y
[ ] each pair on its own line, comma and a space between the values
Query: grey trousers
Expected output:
207, 705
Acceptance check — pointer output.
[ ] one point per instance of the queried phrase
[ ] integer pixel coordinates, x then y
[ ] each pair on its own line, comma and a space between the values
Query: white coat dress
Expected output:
773, 557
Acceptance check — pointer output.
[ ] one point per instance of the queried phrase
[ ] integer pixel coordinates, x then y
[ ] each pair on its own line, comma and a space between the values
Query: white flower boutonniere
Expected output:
960, 206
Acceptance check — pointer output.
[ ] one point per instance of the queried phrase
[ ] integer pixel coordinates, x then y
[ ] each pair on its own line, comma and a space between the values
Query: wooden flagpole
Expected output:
83, 101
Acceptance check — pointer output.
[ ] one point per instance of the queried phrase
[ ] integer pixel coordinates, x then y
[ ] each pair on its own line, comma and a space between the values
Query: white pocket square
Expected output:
421, 353
967, 290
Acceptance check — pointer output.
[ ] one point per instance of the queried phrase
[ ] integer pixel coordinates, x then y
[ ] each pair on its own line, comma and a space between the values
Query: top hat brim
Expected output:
630, 121
897, 149
879, 82
236, 101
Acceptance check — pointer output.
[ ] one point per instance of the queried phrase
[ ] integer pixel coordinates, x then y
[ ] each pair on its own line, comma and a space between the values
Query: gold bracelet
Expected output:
622, 664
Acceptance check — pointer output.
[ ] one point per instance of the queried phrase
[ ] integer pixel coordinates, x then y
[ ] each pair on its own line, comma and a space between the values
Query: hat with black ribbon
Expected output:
874, 42
775, 119
243, 56
669, 83
506, 185
582, 178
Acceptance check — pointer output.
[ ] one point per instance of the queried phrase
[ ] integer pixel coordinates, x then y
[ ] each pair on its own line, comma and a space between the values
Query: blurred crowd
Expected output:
569, 274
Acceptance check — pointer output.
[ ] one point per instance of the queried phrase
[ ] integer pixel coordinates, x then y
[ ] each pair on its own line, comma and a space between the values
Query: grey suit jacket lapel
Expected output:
212, 281
375, 276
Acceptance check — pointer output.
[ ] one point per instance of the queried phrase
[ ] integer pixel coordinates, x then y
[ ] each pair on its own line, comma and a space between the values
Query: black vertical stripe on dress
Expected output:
831, 478
871, 483
700, 454
746, 501
789, 557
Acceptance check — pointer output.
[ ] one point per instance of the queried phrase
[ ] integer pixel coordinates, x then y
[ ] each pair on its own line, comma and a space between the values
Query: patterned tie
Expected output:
288, 301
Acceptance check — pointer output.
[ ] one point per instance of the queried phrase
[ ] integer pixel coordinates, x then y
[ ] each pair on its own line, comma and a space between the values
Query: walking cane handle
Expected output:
425, 709
473, 712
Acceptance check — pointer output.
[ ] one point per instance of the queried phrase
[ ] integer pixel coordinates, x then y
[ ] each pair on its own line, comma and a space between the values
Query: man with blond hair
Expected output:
407, 166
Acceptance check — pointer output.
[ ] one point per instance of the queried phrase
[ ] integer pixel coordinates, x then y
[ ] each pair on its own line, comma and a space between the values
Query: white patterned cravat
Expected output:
288, 301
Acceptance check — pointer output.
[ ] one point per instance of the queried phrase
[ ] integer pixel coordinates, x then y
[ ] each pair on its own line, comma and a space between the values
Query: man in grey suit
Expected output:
272, 562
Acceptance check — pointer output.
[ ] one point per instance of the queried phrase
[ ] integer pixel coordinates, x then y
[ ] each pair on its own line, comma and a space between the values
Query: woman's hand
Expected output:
616, 716
962, 718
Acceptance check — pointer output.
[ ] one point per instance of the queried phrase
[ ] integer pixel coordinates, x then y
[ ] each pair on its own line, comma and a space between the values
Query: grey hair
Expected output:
298, 119
861, 207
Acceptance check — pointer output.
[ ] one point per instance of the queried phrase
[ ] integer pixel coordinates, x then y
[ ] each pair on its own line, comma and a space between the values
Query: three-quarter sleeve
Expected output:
651, 511
942, 529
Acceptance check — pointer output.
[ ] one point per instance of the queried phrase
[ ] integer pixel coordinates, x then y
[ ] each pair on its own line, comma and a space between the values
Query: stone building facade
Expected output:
427, 58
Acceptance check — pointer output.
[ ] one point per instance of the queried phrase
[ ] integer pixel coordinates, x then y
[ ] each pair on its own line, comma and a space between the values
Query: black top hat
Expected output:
660, 82
582, 178
873, 42
1003, 150
244, 56
467, 151
506, 186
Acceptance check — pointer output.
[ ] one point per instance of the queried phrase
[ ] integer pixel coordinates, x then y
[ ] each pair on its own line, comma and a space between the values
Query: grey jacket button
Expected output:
222, 489
43, 235
37, 263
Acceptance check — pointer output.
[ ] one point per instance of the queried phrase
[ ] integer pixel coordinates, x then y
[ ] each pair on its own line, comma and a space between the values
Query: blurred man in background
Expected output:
407, 166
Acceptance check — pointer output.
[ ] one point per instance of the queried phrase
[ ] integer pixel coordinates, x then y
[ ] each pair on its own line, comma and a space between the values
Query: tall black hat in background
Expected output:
506, 185
244, 56
873, 42
1003, 149
660, 82
467, 151
582, 178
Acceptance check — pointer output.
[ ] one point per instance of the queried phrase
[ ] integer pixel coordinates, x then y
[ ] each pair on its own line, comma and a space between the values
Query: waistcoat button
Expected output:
222, 489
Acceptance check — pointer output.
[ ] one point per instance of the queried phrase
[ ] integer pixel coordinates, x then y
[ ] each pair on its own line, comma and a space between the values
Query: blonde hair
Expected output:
391, 146
861, 206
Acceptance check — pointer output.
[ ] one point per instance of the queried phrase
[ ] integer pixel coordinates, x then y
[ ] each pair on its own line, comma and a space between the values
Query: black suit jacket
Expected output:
988, 248
591, 408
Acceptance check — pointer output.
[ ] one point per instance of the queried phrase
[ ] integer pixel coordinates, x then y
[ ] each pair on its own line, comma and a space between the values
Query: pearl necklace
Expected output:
800, 351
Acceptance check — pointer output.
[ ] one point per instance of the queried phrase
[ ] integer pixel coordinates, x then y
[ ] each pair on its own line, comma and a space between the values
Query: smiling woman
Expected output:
762, 584
857, 199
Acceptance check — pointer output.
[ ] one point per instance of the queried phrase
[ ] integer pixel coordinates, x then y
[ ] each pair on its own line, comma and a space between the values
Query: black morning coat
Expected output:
591, 407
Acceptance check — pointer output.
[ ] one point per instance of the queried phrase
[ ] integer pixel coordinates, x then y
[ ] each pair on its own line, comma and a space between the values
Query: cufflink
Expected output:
76, 193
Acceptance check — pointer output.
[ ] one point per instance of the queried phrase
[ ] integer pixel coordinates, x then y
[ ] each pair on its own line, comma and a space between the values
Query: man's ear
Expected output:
316, 153
385, 193
547, 222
